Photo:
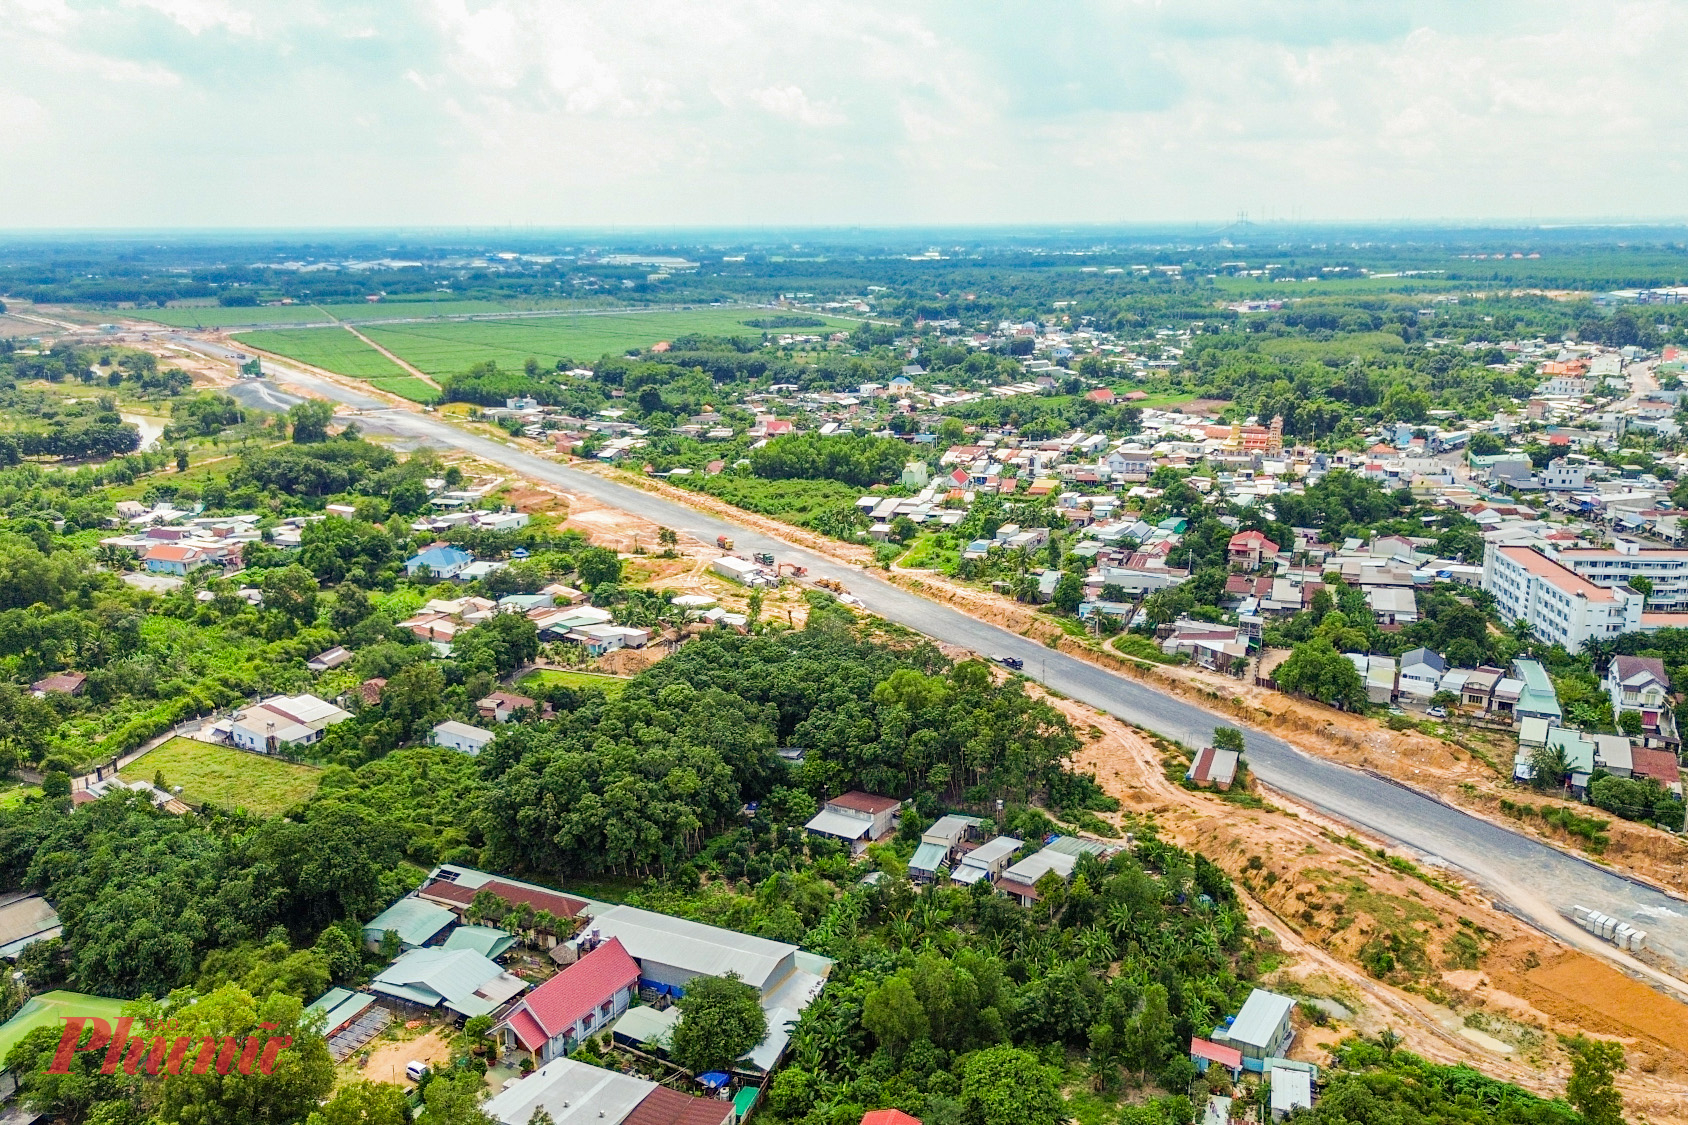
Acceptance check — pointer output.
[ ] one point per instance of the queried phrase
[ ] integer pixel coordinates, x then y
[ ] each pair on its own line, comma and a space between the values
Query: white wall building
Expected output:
1666, 568
462, 737
1563, 476
1561, 606
284, 720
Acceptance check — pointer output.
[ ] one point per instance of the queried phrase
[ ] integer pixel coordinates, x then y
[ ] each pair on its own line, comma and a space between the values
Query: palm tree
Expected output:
1523, 632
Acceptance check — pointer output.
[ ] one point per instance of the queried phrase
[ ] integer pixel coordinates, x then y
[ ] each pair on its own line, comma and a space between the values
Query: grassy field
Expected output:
226, 777
333, 349
443, 349
407, 386
545, 677
1342, 346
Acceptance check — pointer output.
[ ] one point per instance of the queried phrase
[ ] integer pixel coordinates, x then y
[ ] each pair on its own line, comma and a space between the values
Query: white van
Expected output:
415, 1070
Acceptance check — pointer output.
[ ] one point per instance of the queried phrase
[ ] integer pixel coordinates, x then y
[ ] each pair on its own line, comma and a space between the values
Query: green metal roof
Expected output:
1538, 695
928, 857
489, 941
415, 921
48, 1009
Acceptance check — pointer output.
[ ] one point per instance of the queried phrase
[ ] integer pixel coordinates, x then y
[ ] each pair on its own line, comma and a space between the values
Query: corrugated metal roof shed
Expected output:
645, 1024
1262, 1014
928, 857
1035, 867
1074, 846
461, 979
992, 851
571, 1092
839, 824
1291, 1090
489, 941
415, 921
694, 946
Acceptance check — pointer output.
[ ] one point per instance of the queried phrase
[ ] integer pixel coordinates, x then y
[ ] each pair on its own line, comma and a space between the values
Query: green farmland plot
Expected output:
407, 386
445, 349
332, 349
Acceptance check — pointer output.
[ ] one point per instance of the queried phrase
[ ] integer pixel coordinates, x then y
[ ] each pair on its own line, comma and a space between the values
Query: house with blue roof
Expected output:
438, 562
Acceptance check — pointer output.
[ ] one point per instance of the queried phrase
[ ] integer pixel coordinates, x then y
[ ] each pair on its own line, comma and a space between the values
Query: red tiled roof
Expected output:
1660, 765
527, 1029
68, 682
870, 803
663, 1106
1630, 665
1213, 1052
578, 990
888, 1117
558, 904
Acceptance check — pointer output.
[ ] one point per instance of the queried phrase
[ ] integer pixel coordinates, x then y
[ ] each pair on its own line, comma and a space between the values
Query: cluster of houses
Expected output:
1257, 1040
620, 970
952, 846
558, 612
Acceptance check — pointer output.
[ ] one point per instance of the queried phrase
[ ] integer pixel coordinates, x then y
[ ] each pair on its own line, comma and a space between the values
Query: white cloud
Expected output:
792, 104
197, 16
792, 111
25, 118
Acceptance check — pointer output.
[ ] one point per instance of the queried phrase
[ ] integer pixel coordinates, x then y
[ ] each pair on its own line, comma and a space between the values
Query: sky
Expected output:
651, 113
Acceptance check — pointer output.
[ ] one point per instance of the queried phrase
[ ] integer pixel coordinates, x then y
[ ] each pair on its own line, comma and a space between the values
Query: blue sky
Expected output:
146, 113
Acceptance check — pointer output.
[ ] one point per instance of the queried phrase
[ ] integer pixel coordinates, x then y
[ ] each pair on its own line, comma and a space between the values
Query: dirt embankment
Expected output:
848, 553
1462, 981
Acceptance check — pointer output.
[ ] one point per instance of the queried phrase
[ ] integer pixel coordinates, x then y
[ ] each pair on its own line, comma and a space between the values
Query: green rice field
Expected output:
334, 349
444, 349
407, 386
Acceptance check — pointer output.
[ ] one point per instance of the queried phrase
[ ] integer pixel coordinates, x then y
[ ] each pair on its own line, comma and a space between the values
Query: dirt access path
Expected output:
409, 368
1326, 895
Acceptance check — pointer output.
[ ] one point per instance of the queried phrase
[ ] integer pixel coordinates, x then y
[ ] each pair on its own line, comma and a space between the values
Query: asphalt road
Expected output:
1537, 883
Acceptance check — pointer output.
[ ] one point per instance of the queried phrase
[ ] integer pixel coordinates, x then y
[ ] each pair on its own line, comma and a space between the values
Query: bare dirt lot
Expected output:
1482, 988
388, 1061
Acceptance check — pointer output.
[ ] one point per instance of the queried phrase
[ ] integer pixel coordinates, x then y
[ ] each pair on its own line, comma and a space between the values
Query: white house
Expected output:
1641, 684
462, 737
1421, 673
284, 720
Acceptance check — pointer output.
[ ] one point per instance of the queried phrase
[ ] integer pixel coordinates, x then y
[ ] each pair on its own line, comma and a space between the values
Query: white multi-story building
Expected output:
1665, 567
1560, 605
1563, 476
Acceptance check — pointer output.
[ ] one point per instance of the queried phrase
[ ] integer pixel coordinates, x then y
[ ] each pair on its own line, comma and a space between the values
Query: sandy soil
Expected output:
1293, 869
387, 1062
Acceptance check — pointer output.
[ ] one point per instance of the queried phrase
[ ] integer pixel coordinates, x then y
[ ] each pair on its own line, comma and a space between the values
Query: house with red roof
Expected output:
1250, 550
888, 1117
582, 1000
